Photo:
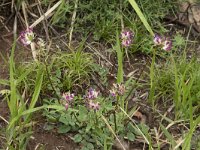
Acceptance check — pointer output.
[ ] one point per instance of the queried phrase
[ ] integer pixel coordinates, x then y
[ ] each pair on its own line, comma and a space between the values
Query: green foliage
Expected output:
120, 73
17, 106
141, 16
91, 130
62, 72
178, 80
76, 68
60, 16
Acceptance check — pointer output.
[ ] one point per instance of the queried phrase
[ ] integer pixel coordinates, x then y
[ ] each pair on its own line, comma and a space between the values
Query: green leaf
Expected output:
48, 127
64, 129
38, 86
141, 16
131, 136
120, 71
89, 126
65, 119
179, 40
77, 138
90, 146
84, 148
29, 111
168, 135
4, 82
83, 114
130, 128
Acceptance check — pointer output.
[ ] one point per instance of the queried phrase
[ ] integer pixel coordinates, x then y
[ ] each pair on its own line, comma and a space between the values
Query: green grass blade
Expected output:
30, 111
12, 103
4, 82
187, 142
168, 135
152, 75
119, 60
141, 16
25, 74
38, 85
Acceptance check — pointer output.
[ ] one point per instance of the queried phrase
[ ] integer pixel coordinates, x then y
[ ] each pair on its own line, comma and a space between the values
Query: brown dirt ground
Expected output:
50, 141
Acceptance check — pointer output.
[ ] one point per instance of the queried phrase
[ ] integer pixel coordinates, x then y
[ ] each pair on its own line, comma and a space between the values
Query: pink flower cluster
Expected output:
117, 90
68, 98
27, 36
90, 96
165, 42
93, 105
127, 37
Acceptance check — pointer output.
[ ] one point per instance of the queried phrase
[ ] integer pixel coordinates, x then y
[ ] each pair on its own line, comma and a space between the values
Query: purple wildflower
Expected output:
68, 97
127, 37
113, 93
121, 89
92, 94
66, 106
127, 42
27, 36
167, 44
93, 105
118, 89
157, 39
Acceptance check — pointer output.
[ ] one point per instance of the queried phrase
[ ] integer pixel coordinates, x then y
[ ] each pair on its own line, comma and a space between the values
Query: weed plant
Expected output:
62, 71
178, 80
17, 106
99, 120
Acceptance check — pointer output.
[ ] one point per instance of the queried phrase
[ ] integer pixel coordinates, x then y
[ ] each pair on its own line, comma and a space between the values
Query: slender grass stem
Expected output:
49, 77
152, 83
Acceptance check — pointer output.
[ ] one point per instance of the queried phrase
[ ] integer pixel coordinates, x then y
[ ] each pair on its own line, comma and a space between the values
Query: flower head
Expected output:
41, 43
93, 105
121, 89
127, 42
66, 106
167, 44
27, 36
113, 92
157, 39
92, 94
127, 37
118, 89
68, 97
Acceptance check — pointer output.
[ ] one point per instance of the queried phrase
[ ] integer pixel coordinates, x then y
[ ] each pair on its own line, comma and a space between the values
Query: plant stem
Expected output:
152, 74
33, 50
48, 75
115, 120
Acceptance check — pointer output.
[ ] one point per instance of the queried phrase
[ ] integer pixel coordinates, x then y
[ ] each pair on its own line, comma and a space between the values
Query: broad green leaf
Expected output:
77, 138
131, 136
65, 119
90, 146
64, 129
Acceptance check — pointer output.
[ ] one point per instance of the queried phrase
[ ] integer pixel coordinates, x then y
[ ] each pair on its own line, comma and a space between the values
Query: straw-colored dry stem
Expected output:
34, 52
46, 15
72, 23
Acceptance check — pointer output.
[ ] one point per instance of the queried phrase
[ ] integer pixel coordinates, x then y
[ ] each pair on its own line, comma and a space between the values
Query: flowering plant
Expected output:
164, 42
68, 98
27, 36
127, 37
